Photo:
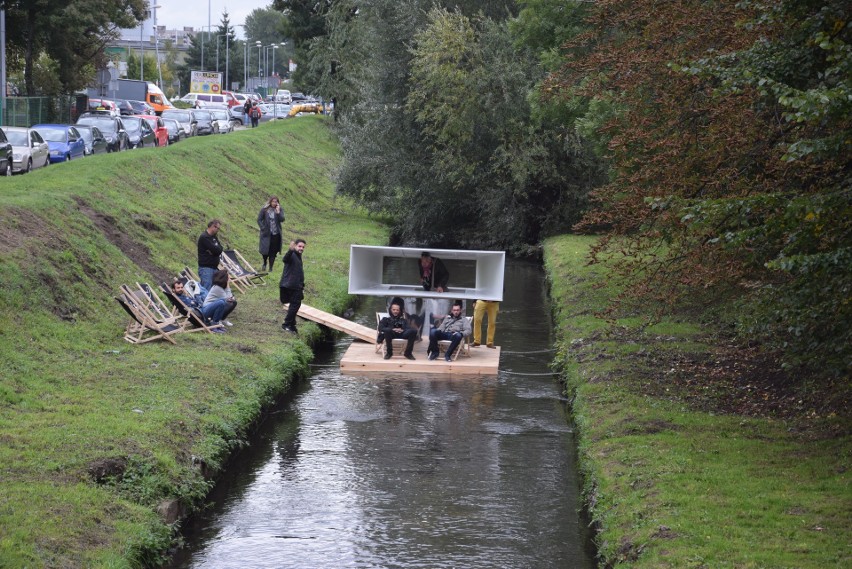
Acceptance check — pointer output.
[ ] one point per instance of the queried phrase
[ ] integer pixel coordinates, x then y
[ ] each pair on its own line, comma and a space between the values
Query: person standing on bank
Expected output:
480, 309
433, 273
254, 114
269, 220
209, 253
292, 283
395, 326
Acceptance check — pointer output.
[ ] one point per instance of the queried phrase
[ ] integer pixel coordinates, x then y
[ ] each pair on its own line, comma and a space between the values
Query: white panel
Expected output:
366, 263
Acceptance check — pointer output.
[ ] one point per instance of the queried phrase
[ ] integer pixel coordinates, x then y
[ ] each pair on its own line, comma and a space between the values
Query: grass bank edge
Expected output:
160, 421
671, 486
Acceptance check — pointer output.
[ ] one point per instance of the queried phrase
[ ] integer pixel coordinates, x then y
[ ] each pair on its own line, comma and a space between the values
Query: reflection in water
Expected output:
408, 472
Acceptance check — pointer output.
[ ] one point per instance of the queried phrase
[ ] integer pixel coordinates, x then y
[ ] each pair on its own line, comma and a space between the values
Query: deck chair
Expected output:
239, 268
398, 343
143, 327
463, 348
143, 299
192, 315
155, 303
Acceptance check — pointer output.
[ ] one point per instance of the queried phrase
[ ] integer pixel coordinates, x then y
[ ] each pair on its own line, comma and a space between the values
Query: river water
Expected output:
409, 471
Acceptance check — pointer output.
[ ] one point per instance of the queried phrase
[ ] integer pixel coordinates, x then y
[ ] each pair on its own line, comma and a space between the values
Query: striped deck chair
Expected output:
239, 268
143, 326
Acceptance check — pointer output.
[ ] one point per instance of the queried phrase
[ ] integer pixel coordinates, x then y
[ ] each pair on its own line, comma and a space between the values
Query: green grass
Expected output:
672, 484
74, 396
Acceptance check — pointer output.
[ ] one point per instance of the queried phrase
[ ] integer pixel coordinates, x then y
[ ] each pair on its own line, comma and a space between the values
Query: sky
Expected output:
175, 14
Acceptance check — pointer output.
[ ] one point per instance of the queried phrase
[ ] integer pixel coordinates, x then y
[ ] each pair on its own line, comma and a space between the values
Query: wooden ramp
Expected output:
362, 358
338, 323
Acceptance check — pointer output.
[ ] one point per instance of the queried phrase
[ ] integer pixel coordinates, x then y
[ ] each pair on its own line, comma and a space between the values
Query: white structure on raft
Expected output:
366, 264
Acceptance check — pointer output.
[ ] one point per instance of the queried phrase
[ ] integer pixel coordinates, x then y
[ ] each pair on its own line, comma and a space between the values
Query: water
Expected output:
410, 472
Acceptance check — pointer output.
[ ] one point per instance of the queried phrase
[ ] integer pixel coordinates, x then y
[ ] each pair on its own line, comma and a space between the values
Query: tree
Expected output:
724, 125
440, 133
73, 33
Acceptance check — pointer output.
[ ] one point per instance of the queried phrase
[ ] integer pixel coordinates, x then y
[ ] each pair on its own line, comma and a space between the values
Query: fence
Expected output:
27, 111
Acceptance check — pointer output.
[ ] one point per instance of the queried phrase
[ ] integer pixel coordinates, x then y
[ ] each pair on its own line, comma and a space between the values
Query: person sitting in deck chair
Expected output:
220, 302
181, 290
454, 327
395, 326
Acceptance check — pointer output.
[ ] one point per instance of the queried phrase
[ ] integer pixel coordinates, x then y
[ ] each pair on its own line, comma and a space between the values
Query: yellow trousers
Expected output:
482, 308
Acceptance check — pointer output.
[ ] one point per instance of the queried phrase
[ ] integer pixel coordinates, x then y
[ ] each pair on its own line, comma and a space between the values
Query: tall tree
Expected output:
727, 128
74, 33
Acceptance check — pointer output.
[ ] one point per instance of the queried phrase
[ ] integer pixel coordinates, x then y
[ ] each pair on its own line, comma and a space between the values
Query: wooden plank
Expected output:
338, 323
362, 358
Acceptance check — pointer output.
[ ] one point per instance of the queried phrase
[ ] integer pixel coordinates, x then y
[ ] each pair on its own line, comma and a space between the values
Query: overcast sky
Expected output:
175, 14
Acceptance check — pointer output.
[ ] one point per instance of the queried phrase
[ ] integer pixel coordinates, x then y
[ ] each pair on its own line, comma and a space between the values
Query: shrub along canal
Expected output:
410, 471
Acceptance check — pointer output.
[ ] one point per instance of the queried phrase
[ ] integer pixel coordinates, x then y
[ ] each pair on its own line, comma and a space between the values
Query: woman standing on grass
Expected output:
269, 220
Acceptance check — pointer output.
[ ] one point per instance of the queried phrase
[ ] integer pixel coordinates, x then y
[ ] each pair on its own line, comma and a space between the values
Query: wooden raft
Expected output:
361, 357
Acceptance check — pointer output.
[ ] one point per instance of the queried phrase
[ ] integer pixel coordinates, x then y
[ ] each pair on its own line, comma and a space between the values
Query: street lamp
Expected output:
258, 43
157, 47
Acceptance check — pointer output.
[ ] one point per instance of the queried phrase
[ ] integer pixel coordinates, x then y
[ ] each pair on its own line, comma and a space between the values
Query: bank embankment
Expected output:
696, 452
105, 445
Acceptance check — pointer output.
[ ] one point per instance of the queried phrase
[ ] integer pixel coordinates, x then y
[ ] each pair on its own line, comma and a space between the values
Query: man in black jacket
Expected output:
209, 253
292, 283
433, 273
395, 326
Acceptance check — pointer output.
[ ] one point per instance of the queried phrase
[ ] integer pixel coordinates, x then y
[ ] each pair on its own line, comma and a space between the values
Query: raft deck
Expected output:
361, 357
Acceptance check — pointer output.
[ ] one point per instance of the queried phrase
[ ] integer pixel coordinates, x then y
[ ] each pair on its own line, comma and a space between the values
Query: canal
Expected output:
409, 471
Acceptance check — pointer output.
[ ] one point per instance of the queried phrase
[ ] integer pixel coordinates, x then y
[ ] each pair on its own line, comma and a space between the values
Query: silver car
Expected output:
223, 119
29, 150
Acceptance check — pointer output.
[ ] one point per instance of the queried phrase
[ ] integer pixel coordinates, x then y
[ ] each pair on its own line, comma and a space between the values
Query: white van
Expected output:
283, 96
208, 100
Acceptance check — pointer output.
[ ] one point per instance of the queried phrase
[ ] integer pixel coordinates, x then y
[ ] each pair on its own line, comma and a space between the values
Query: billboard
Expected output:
205, 82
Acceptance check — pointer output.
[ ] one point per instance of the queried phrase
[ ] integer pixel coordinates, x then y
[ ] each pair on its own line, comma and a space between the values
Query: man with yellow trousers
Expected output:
480, 309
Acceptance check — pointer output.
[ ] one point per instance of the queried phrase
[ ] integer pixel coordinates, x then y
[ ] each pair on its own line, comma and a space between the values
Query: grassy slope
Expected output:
673, 485
76, 400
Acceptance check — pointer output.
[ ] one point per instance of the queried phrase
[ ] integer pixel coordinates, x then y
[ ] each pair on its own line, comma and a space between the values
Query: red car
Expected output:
161, 133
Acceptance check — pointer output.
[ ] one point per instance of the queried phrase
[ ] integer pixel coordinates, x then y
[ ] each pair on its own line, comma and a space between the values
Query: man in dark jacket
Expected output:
209, 253
292, 283
395, 326
454, 327
433, 273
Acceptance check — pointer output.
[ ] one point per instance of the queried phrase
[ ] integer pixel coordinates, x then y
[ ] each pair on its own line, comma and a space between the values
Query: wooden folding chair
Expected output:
242, 268
193, 315
143, 326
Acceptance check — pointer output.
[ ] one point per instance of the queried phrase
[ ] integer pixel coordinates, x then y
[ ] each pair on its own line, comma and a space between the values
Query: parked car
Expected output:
139, 132
6, 155
96, 142
274, 111
111, 127
209, 100
142, 108
29, 150
103, 105
283, 96
206, 124
223, 120
176, 133
231, 99
186, 118
64, 141
124, 107
238, 115
161, 135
